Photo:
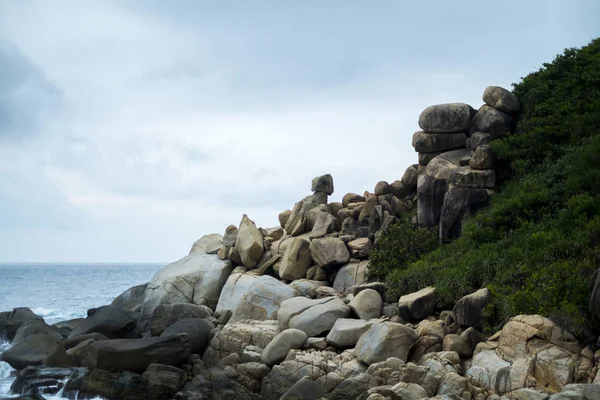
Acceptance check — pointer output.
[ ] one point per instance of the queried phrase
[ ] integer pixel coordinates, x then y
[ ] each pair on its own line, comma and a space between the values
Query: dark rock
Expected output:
100, 383
430, 196
501, 99
410, 177
33, 327
66, 327
304, 389
489, 120
323, 183
164, 380
352, 227
381, 188
42, 381
62, 354
197, 329
111, 321
136, 354
31, 351
437, 142
459, 203
10, 321
166, 315
477, 139
446, 118
469, 309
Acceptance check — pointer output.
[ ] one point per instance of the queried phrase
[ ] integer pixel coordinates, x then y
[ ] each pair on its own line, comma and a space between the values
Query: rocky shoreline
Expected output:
288, 312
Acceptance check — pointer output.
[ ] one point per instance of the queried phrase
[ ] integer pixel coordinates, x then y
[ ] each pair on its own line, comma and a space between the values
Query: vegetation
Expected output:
536, 246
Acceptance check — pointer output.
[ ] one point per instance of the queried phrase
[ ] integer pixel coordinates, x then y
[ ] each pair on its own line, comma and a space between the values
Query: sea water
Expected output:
59, 292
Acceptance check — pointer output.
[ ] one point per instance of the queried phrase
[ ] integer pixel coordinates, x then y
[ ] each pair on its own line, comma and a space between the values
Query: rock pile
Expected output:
456, 175
287, 313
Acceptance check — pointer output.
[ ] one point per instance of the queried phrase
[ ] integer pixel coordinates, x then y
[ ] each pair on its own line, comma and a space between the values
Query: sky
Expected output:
129, 129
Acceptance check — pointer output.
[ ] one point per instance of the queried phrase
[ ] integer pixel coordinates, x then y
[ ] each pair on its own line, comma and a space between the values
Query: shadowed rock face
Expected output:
136, 354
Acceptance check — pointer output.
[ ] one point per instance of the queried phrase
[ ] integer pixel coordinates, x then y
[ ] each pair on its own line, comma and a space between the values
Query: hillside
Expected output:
536, 246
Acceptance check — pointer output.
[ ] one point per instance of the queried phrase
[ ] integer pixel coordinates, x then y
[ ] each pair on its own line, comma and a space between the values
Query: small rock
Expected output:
382, 188
417, 305
277, 349
367, 304
482, 158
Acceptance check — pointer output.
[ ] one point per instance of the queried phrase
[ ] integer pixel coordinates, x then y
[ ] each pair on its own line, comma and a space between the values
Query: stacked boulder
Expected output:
455, 161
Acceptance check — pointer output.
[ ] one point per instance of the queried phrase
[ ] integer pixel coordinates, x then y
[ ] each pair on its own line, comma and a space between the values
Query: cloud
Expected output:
27, 97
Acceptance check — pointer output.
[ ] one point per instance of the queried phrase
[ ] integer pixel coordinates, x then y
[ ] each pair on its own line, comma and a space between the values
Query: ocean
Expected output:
58, 292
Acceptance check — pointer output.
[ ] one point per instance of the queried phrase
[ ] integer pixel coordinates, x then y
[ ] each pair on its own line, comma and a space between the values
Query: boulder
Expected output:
324, 225
197, 279
489, 120
482, 158
425, 158
102, 384
31, 351
132, 299
323, 183
468, 311
360, 248
294, 306
304, 389
34, 327
164, 380
417, 305
381, 188
197, 329
399, 189
377, 286
501, 99
234, 338
166, 315
208, 244
320, 317
367, 304
437, 142
111, 321
278, 348
135, 354
329, 251
446, 118
346, 331
478, 139
296, 259
410, 177
249, 243
350, 275
253, 297
385, 340
284, 217
352, 198
10, 321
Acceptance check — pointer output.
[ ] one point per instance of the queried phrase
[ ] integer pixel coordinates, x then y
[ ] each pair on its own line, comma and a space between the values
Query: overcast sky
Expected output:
129, 129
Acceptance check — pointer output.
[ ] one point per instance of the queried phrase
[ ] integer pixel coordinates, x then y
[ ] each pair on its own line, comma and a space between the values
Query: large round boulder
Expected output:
446, 118
385, 340
278, 348
197, 329
501, 99
253, 297
197, 278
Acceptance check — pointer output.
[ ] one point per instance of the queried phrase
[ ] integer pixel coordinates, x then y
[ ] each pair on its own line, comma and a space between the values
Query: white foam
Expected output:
43, 312
6, 372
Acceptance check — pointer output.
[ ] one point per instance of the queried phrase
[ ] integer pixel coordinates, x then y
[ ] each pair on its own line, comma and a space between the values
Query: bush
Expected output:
536, 246
399, 246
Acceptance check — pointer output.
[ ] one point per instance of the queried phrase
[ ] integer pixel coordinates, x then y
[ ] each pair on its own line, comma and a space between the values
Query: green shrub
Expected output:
537, 245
